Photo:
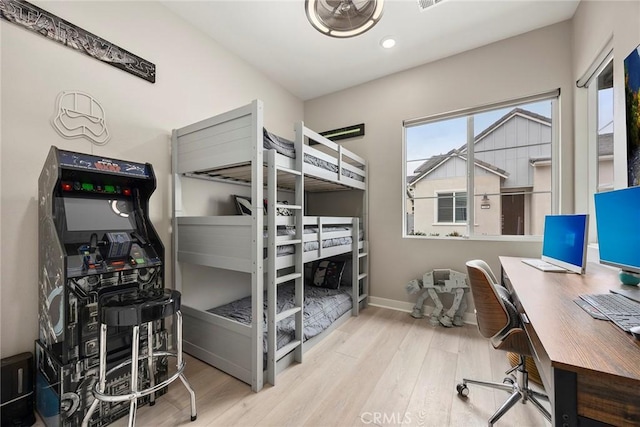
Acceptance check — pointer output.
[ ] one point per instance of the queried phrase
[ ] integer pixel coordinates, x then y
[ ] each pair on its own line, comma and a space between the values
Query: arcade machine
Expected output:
96, 244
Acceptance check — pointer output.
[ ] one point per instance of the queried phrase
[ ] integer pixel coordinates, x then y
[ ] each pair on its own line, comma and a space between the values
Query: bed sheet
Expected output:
312, 245
286, 148
322, 307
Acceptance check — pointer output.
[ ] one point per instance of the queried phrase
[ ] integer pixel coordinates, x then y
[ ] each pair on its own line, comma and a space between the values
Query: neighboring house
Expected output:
512, 179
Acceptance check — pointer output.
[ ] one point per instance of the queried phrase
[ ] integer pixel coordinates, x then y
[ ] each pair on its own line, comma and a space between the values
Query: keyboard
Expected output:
622, 311
544, 265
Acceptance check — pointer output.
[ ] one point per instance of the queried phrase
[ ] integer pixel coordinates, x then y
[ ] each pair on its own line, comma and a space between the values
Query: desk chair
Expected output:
498, 321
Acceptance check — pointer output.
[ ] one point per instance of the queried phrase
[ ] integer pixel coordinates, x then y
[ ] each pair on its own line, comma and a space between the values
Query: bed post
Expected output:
257, 227
272, 272
299, 255
355, 266
365, 241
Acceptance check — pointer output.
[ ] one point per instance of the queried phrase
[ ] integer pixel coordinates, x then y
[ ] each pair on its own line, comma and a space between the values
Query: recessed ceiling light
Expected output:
388, 42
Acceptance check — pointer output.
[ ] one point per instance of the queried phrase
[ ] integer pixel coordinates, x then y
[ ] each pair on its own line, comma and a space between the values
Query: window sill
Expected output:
533, 239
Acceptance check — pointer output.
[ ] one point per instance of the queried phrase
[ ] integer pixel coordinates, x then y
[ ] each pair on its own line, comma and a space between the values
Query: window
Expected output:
481, 172
598, 80
452, 207
604, 128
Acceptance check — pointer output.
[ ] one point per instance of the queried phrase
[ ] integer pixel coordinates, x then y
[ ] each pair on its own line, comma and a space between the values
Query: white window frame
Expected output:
589, 82
553, 96
454, 194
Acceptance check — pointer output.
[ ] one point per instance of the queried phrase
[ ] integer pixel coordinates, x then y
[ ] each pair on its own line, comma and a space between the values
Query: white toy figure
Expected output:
436, 282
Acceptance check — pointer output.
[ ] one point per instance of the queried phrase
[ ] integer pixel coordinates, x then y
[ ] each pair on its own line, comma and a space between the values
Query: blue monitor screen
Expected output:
565, 241
618, 225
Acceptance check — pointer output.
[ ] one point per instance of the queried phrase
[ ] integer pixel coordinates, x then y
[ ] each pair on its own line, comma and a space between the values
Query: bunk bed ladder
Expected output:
275, 276
360, 269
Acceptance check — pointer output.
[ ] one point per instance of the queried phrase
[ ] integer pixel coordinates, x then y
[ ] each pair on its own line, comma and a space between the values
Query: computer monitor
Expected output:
564, 242
618, 227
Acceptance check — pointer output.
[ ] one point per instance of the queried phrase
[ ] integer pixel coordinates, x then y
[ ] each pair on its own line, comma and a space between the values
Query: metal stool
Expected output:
144, 307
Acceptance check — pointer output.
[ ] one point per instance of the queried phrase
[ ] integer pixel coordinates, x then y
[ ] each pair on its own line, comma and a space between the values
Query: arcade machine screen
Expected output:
88, 214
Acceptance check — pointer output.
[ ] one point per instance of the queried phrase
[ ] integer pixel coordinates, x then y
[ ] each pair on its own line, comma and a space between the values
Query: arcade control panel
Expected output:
86, 262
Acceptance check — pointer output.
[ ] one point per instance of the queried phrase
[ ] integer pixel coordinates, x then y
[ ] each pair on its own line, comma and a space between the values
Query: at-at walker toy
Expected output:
437, 282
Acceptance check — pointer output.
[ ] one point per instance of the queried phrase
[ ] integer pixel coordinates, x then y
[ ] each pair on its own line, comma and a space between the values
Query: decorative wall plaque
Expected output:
39, 21
80, 115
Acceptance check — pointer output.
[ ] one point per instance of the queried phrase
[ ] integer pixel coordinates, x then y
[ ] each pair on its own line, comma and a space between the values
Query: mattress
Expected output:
286, 148
322, 307
312, 245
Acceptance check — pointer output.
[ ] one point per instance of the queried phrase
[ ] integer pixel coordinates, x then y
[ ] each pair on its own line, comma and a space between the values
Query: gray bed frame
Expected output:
229, 148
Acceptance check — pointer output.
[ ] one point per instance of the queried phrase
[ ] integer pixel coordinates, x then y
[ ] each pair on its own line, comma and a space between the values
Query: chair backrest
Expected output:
484, 266
498, 320
491, 313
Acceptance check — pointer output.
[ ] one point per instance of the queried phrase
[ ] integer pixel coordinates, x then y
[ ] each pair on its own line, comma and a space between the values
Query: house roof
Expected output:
514, 112
430, 165
435, 161
491, 168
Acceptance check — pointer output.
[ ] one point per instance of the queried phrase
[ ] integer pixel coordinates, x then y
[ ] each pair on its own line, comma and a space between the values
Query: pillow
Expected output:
327, 273
347, 272
281, 211
243, 205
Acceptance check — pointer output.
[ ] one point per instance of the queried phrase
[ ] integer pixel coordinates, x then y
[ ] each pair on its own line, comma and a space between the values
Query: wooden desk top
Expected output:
572, 339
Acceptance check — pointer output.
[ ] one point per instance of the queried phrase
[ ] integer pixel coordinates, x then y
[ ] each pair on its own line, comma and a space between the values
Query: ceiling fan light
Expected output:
377, 14
343, 18
344, 34
313, 18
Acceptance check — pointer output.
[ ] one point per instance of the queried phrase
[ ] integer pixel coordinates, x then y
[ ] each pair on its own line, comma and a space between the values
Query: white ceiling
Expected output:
274, 36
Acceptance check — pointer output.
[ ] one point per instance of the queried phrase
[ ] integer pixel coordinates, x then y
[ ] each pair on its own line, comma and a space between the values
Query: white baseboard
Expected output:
407, 307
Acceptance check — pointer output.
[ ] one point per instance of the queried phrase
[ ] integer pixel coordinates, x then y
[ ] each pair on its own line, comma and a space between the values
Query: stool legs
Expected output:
179, 363
135, 350
152, 378
135, 392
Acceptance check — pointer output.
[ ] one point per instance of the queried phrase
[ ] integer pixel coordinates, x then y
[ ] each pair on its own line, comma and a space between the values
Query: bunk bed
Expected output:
273, 249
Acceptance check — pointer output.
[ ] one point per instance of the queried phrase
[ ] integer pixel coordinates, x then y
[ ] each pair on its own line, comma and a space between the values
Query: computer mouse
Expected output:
635, 331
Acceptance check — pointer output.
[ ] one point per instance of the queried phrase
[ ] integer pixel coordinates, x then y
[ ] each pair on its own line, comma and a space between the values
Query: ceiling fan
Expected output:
343, 18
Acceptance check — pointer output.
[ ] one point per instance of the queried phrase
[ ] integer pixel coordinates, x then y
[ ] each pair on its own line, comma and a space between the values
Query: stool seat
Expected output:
140, 306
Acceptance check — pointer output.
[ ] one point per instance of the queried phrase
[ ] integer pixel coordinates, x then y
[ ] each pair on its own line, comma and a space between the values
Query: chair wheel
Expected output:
194, 418
462, 389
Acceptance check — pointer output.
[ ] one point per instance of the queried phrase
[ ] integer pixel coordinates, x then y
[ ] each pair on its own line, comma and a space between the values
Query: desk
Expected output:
590, 368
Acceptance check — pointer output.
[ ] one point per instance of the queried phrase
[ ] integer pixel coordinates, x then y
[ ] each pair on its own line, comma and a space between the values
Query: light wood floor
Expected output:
381, 368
